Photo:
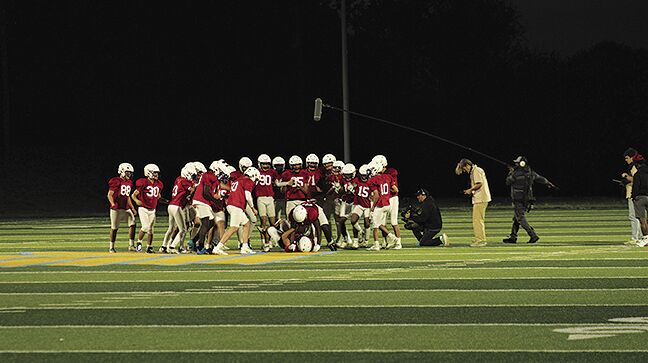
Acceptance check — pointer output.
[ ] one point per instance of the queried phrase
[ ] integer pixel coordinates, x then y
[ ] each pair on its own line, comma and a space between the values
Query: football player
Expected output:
182, 189
302, 219
279, 164
297, 191
147, 194
192, 215
313, 176
393, 199
240, 196
203, 201
335, 180
361, 208
264, 191
244, 163
121, 206
346, 204
380, 185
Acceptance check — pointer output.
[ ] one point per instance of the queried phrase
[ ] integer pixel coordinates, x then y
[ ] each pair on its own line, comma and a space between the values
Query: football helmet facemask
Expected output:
124, 168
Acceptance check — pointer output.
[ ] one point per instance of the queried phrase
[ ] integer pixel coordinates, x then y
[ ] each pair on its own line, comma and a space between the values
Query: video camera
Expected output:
413, 212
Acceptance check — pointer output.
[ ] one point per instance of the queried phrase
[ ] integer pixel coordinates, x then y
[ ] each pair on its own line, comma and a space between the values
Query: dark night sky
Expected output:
93, 84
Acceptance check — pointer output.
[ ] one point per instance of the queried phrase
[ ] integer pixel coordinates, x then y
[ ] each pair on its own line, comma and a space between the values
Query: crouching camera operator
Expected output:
424, 220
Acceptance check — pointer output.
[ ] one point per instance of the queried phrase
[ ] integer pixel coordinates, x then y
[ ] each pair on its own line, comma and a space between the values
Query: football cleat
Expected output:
112, 250
162, 249
131, 249
149, 249
375, 247
246, 250
172, 250
445, 240
219, 251
533, 239
316, 248
342, 245
363, 244
355, 245
139, 247
332, 246
267, 247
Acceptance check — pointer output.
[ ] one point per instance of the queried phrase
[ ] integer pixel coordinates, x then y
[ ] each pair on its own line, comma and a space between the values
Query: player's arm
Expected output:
111, 200
279, 183
374, 199
135, 197
287, 237
207, 193
250, 202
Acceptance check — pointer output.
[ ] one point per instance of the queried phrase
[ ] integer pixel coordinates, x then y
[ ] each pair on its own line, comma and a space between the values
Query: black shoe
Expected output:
332, 246
510, 240
533, 239
150, 249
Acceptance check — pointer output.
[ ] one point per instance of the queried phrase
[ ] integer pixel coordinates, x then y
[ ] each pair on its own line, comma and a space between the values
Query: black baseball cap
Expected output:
422, 191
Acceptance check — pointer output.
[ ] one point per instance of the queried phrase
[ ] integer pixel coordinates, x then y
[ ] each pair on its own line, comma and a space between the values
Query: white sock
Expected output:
112, 245
131, 242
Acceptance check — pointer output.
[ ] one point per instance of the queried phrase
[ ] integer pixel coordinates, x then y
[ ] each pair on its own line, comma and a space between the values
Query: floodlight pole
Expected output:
345, 85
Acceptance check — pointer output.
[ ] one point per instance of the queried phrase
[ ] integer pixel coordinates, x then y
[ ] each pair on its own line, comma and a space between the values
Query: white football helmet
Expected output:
299, 213
252, 173
375, 168
200, 167
228, 169
381, 160
328, 158
295, 161
123, 168
216, 166
150, 170
244, 163
337, 166
312, 158
279, 164
263, 159
364, 172
348, 171
188, 172
305, 244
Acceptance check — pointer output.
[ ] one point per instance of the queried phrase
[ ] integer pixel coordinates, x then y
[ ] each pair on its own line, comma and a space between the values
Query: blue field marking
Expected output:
293, 258
25, 253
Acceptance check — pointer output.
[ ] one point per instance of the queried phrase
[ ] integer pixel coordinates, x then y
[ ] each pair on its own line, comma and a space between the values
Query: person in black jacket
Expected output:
640, 196
425, 221
521, 179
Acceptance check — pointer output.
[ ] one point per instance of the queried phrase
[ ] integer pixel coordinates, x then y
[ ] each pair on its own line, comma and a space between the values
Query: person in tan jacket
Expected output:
635, 226
481, 196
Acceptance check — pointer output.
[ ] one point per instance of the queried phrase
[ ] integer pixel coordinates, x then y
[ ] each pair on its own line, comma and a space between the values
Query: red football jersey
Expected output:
313, 179
237, 192
235, 175
394, 175
298, 180
149, 192
382, 183
362, 193
180, 192
348, 189
121, 191
207, 178
266, 181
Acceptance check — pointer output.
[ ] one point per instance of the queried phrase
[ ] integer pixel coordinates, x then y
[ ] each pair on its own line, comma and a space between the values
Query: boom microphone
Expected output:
318, 109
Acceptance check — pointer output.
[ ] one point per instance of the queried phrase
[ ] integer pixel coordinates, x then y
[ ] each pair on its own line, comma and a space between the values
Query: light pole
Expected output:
345, 85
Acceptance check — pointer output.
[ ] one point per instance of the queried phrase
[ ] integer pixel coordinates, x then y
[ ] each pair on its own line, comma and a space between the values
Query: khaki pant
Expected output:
478, 216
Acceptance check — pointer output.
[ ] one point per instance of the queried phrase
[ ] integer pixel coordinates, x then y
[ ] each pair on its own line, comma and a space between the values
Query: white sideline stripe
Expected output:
283, 271
279, 281
75, 326
331, 351
142, 294
237, 306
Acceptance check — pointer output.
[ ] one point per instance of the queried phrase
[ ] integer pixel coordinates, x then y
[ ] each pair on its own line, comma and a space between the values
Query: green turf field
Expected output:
577, 295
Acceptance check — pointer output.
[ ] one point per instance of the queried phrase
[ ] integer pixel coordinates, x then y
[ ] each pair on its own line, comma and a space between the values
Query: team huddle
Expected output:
289, 207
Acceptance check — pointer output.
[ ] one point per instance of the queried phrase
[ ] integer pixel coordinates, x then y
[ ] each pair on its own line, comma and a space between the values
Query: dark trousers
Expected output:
425, 236
519, 219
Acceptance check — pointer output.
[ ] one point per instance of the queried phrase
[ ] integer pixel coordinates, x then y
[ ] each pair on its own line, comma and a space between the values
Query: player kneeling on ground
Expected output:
424, 220
307, 219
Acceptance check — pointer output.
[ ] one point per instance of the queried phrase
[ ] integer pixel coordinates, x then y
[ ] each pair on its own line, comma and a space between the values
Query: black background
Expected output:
92, 84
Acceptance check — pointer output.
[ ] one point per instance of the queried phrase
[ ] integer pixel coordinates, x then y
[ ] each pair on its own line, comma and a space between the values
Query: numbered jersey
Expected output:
237, 191
313, 178
266, 181
121, 191
208, 178
394, 175
382, 183
347, 190
149, 192
362, 193
235, 175
297, 180
180, 192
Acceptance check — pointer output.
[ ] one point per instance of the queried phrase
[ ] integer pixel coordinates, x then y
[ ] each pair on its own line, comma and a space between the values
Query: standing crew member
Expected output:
480, 194
521, 179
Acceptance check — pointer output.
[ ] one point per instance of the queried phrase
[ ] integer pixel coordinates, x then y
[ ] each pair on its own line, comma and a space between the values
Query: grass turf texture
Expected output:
63, 297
